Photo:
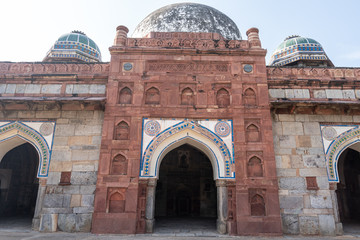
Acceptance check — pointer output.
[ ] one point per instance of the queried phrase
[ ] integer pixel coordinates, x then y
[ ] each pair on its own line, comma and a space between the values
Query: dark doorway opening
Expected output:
348, 190
19, 186
186, 190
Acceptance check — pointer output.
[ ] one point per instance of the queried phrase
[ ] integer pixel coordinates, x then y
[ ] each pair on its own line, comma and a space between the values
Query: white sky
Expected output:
30, 27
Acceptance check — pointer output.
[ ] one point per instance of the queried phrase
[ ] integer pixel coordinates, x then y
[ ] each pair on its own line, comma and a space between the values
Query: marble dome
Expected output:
188, 17
74, 47
296, 50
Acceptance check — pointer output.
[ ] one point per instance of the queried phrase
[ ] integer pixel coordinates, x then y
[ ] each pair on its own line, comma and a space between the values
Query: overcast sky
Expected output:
30, 27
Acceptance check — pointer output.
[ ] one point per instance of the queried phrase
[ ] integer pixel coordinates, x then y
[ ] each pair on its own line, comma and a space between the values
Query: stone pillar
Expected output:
150, 206
222, 206
121, 36
338, 224
39, 203
253, 38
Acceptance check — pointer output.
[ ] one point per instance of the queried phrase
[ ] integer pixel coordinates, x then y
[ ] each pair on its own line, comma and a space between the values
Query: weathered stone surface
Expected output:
321, 201
287, 142
51, 89
84, 178
316, 161
319, 94
327, 225
53, 178
309, 225
334, 93
348, 94
278, 93
32, 88
67, 222
83, 222
53, 200
292, 183
87, 200
291, 202
48, 222
89, 189
290, 223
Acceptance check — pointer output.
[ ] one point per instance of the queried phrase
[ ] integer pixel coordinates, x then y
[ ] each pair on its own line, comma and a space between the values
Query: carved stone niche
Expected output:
187, 96
125, 96
122, 131
119, 165
249, 97
257, 202
252, 131
152, 96
116, 200
222, 98
255, 167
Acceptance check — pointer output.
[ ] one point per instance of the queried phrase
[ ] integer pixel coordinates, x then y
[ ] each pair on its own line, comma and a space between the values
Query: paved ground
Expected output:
19, 229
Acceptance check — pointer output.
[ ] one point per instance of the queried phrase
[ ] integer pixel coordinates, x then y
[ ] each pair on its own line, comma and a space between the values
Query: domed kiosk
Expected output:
188, 17
74, 47
300, 51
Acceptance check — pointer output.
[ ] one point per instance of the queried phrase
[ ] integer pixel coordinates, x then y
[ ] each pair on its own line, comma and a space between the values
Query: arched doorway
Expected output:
348, 188
186, 194
18, 184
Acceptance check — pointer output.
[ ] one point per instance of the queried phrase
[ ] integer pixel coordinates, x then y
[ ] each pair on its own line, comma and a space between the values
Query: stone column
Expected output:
338, 224
121, 36
253, 38
39, 203
222, 206
150, 206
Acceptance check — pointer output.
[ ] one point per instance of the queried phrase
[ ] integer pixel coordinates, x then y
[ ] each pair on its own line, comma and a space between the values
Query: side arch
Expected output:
338, 146
16, 133
191, 133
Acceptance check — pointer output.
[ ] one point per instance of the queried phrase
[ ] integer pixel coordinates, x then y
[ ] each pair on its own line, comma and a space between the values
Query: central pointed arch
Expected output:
188, 132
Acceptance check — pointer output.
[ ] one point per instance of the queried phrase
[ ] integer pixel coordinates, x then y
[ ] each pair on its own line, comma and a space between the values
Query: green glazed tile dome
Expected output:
74, 47
299, 49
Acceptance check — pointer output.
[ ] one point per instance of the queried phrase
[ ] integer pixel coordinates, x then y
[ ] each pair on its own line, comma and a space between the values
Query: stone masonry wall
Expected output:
67, 197
307, 201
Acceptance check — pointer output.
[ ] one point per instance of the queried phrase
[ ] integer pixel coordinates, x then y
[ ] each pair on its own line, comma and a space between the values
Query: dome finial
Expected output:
291, 36
79, 32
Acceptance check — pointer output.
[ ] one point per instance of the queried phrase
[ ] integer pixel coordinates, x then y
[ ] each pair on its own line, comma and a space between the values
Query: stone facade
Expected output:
277, 178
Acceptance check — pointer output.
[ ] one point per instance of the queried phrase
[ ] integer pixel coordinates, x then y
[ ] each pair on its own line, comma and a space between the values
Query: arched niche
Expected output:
187, 133
348, 139
249, 97
222, 98
17, 133
187, 97
152, 96
125, 96
122, 131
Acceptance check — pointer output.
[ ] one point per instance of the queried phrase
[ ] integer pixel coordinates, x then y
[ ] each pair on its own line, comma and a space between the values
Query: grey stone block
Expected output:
53, 178
349, 94
278, 93
53, 200
357, 93
327, 225
71, 189
301, 93
312, 128
48, 222
66, 200
314, 161
81, 88
83, 209
64, 130
32, 88
61, 155
292, 183
83, 222
291, 202
10, 88
51, 89
97, 89
83, 178
323, 182
56, 210
290, 223
20, 88
287, 141
321, 201
292, 128
67, 222
2, 88
90, 189
69, 88
289, 93
334, 93
87, 200
309, 225
319, 94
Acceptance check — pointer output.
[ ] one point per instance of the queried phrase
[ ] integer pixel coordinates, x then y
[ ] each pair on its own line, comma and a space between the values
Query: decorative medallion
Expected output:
329, 133
222, 129
46, 129
128, 66
248, 68
152, 128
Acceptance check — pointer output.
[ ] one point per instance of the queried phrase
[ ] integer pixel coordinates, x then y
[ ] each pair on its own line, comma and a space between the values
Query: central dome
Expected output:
188, 17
